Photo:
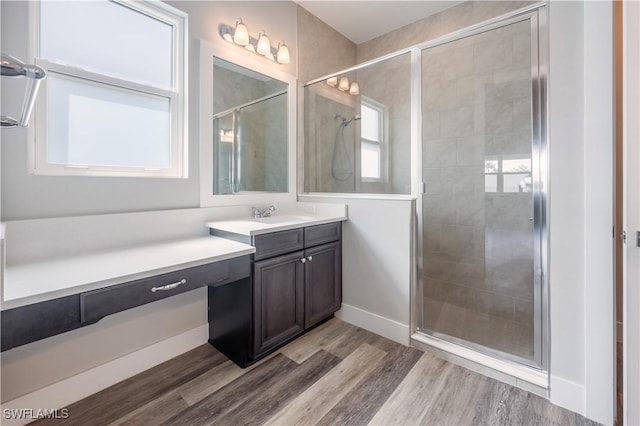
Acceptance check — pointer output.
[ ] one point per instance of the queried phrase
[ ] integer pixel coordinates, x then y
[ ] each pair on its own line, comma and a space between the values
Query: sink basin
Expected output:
282, 219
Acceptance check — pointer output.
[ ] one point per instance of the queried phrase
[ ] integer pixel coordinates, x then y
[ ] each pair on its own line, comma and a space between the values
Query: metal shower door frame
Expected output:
537, 16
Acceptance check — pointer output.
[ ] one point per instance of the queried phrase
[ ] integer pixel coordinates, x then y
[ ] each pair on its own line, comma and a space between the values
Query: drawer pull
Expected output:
303, 260
310, 258
169, 286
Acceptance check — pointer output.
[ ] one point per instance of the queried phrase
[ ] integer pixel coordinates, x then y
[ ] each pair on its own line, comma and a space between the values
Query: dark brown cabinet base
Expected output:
288, 294
278, 301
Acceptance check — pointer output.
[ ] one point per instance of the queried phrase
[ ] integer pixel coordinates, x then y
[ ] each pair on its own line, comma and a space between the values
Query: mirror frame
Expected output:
208, 51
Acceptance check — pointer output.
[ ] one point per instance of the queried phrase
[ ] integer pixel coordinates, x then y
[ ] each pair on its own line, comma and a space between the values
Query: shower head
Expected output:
345, 121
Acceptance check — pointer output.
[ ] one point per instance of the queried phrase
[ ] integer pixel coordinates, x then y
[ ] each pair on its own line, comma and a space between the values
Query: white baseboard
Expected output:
75, 388
385, 327
567, 394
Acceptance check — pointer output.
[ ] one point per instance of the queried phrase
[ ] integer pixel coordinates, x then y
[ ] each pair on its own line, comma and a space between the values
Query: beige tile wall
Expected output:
321, 51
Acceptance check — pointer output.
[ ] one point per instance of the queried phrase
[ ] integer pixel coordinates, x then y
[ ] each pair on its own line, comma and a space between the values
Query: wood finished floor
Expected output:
336, 374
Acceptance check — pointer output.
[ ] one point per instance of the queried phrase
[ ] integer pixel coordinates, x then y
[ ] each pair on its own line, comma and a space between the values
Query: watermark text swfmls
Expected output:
34, 414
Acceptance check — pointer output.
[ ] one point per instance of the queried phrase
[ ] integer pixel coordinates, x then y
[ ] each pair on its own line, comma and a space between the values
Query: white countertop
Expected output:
36, 282
251, 227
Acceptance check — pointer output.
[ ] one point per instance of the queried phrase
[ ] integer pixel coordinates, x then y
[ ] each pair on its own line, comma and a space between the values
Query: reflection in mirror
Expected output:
250, 130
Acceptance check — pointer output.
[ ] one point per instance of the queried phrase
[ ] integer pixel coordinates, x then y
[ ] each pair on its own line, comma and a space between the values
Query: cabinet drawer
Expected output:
38, 321
269, 245
320, 234
97, 304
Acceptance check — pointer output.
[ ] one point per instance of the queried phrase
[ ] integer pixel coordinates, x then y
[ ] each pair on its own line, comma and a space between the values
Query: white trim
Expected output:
519, 371
385, 327
631, 212
567, 394
75, 388
207, 51
599, 300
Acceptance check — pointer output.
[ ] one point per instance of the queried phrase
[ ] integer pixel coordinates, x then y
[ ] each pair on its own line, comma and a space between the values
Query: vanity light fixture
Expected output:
241, 33
264, 44
283, 53
344, 85
261, 46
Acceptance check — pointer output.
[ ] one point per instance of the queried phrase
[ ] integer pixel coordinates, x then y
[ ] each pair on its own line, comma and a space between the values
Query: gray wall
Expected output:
26, 196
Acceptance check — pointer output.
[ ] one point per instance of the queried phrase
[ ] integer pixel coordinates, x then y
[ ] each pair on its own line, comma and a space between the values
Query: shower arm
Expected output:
12, 67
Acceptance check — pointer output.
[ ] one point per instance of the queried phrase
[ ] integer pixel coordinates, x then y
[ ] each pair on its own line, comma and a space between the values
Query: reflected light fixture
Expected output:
343, 84
261, 46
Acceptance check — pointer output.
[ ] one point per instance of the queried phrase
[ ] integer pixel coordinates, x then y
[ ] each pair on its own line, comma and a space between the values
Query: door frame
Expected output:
631, 212
535, 372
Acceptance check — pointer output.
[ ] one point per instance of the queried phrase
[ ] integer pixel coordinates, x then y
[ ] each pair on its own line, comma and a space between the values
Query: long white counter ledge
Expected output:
35, 282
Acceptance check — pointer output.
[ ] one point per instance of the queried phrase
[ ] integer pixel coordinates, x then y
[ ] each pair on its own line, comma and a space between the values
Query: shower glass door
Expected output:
482, 208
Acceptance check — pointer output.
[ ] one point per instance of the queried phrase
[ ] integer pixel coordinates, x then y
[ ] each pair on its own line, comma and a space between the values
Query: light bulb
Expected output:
264, 45
333, 81
241, 33
344, 84
283, 53
354, 89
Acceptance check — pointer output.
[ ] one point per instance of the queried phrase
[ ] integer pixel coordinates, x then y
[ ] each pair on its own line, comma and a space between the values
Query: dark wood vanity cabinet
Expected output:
296, 284
323, 282
278, 301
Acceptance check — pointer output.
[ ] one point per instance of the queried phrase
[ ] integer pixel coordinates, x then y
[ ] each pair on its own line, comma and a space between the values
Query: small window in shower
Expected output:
371, 140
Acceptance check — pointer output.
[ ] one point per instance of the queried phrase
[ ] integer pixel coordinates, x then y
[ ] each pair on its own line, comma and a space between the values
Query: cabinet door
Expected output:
278, 301
323, 282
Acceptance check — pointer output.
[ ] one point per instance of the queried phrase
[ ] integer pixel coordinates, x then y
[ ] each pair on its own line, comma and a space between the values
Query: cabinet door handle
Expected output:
310, 258
169, 286
303, 260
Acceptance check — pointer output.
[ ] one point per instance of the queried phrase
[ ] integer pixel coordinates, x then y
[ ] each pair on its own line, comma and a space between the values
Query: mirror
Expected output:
250, 131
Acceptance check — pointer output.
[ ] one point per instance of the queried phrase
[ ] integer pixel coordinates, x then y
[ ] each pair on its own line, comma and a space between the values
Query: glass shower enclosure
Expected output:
483, 214
466, 116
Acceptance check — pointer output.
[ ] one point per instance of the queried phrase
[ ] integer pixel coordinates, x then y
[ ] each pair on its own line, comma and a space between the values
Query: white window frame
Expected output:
382, 143
177, 95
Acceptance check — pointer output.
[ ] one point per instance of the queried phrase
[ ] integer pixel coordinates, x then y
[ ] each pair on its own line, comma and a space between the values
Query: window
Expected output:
509, 173
114, 101
372, 130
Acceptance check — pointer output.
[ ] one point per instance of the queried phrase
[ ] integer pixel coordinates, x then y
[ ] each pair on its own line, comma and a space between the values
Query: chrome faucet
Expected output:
258, 212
